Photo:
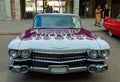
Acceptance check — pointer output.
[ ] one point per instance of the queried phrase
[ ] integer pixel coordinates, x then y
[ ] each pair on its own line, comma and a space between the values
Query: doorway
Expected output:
29, 8
115, 11
84, 8
87, 7
23, 10
81, 8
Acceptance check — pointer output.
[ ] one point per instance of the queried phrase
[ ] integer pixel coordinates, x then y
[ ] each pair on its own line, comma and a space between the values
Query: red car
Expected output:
113, 26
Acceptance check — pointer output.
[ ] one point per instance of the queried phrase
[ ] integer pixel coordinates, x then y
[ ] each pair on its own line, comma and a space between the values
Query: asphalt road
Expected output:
112, 75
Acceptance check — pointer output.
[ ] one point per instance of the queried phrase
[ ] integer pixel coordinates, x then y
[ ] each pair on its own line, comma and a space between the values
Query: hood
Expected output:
111, 21
57, 39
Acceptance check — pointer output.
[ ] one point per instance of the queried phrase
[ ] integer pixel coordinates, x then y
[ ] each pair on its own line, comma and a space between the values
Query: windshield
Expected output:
57, 21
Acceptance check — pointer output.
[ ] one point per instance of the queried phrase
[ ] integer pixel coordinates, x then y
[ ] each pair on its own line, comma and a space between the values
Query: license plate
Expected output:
58, 69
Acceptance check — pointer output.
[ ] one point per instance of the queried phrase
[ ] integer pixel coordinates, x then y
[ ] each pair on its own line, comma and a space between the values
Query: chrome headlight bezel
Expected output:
19, 53
25, 53
104, 53
93, 54
98, 54
13, 53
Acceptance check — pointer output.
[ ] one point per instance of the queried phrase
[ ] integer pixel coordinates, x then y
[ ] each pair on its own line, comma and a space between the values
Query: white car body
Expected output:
53, 46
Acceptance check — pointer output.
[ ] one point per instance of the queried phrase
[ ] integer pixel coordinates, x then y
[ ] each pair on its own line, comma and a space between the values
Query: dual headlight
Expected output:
95, 54
21, 53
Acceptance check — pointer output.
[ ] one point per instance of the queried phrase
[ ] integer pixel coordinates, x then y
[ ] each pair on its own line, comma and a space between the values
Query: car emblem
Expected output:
60, 48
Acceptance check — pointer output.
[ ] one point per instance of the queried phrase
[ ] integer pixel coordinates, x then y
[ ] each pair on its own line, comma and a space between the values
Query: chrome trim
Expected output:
107, 54
89, 54
59, 51
55, 57
100, 68
70, 70
45, 61
57, 66
100, 52
77, 57
40, 60
97, 60
17, 68
19, 59
16, 55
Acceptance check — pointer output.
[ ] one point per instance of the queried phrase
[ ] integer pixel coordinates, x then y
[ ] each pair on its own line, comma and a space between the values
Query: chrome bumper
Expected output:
59, 69
69, 70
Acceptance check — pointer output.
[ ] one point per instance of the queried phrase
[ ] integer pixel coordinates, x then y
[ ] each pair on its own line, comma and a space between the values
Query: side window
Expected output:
37, 22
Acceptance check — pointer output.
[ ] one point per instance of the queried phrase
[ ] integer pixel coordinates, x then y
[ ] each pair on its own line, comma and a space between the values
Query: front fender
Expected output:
103, 44
14, 44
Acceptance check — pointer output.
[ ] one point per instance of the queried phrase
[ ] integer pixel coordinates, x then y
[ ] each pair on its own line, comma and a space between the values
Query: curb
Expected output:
21, 32
9, 34
102, 30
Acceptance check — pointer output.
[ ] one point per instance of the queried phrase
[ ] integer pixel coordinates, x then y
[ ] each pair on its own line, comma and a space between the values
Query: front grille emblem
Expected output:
60, 48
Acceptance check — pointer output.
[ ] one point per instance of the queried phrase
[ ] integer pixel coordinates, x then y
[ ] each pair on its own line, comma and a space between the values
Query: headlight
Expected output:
93, 54
13, 53
105, 53
25, 54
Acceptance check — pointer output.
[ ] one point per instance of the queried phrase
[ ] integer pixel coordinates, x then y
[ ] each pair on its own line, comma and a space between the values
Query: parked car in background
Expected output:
112, 25
58, 44
55, 11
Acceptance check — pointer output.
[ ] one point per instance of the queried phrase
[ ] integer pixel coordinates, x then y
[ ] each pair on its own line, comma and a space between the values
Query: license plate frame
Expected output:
58, 69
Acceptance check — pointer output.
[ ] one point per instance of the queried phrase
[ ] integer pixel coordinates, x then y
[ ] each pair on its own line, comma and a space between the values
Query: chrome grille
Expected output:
63, 59
59, 56
71, 64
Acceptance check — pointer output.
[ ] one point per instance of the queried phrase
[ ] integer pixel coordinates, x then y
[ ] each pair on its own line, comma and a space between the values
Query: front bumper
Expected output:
59, 69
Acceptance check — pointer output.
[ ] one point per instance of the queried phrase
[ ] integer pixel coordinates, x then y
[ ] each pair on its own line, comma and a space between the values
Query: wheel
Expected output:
110, 33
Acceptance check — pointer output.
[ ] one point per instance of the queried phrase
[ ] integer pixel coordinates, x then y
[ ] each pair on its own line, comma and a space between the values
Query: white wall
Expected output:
67, 6
8, 10
17, 10
2, 10
76, 7
5, 10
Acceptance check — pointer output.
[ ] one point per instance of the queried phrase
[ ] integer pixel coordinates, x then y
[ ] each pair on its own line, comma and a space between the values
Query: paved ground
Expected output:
14, 27
89, 25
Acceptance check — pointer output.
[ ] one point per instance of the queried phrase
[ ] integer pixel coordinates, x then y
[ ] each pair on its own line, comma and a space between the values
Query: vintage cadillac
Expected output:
57, 44
112, 25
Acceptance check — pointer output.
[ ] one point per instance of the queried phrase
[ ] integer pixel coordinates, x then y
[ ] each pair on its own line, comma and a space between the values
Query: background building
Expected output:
87, 7
23, 9
5, 10
115, 5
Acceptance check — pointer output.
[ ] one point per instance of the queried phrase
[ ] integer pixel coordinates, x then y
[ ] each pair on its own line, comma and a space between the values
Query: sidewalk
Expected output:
14, 27
89, 25
17, 27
